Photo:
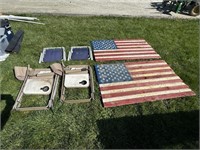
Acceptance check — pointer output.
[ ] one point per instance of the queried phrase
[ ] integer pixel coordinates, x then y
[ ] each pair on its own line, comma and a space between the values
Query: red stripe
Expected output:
138, 85
149, 71
136, 49
132, 46
145, 62
146, 99
105, 54
129, 40
145, 91
146, 67
153, 76
123, 50
126, 58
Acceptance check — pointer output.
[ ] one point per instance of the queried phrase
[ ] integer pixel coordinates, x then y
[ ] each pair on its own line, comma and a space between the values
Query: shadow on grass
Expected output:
153, 131
5, 114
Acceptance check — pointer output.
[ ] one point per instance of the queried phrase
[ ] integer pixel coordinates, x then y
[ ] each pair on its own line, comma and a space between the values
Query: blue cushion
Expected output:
80, 54
52, 55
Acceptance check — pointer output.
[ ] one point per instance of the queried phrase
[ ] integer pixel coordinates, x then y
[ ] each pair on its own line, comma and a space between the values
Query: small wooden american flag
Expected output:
107, 50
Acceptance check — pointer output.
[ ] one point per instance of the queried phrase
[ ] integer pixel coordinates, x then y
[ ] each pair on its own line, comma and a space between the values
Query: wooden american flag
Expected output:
152, 80
107, 50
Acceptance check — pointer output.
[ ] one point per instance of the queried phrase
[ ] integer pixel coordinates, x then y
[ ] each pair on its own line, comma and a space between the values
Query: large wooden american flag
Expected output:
137, 82
107, 50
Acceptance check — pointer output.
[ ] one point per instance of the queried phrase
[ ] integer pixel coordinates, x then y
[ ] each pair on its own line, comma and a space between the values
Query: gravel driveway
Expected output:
146, 8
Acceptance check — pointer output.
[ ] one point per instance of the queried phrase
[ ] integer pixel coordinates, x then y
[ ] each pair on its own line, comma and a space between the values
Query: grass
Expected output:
171, 124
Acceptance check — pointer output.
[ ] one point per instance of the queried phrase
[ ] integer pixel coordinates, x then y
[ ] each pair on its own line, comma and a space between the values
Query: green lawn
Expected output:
162, 124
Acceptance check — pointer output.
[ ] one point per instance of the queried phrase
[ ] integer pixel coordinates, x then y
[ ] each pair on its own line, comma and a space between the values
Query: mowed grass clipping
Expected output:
171, 124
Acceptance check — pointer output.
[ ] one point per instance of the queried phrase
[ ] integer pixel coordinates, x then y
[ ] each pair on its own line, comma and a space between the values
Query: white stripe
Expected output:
128, 49
121, 41
128, 46
131, 43
139, 81
149, 69
142, 88
128, 56
152, 74
116, 52
145, 95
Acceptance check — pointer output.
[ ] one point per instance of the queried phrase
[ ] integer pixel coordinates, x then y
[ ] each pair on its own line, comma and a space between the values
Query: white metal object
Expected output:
74, 80
21, 19
34, 86
28, 21
18, 17
3, 45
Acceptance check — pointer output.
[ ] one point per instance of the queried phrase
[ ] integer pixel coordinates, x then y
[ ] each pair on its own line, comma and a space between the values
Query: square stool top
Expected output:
53, 54
80, 53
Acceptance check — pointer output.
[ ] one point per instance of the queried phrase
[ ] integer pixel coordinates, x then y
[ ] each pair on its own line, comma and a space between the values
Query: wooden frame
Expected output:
78, 70
34, 74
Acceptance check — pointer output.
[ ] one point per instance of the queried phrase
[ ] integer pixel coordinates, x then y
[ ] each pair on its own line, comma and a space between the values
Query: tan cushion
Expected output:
20, 72
57, 68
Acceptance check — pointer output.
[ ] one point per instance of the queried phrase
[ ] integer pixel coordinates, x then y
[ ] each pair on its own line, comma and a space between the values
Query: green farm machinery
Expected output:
189, 6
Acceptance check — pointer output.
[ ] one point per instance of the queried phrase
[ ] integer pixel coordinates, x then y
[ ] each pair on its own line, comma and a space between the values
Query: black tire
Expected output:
194, 10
